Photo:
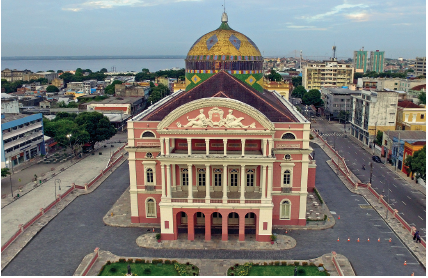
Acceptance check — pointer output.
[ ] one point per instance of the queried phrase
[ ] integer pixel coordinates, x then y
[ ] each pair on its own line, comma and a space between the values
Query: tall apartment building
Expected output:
361, 60
21, 138
421, 66
377, 61
327, 74
373, 111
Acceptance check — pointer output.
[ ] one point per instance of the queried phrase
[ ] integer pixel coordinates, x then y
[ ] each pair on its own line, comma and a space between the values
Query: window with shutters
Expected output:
201, 177
184, 177
250, 177
150, 208
285, 210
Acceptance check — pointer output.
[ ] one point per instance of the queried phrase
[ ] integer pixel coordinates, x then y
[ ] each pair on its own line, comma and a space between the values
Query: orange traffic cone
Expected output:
286, 231
358, 240
337, 239
413, 274
405, 262
389, 239
153, 230
349, 239
338, 217
368, 239
378, 240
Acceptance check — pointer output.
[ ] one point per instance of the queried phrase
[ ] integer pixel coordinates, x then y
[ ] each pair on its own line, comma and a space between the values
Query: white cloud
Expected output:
402, 24
336, 10
363, 16
303, 27
109, 4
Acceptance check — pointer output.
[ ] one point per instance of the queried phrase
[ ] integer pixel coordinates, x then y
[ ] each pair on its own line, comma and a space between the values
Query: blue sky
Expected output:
170, 27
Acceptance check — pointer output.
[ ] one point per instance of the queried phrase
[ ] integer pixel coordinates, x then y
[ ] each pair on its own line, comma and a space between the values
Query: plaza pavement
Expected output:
26, 207
79, 228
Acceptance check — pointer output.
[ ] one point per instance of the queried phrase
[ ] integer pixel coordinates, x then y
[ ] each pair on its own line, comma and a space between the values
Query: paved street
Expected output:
410, 203
59, 248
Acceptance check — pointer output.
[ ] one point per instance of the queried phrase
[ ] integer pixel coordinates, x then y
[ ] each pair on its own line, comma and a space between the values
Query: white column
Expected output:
167, 146
189, 146
224, 183
207, 183
174, 179
270, 147
270, 182
264, 142
168, 180
242, 184
162, 140
263, 174
190, 186
225, 147
207, 146
243, 146
163, 180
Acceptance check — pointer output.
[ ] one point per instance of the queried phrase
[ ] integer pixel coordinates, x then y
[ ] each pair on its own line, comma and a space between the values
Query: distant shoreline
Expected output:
92, 57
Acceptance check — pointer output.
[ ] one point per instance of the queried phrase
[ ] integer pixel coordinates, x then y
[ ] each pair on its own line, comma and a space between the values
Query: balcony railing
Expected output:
286, 189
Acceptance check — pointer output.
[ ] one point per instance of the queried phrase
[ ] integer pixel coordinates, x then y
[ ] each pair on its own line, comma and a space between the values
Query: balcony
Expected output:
12, 133
22, 140
217, 195
215, 154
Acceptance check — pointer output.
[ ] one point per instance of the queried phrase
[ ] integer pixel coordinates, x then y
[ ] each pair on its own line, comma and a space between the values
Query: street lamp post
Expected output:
69, 140
371, 172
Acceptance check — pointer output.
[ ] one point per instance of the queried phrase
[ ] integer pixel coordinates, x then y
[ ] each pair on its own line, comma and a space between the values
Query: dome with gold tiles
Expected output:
228, 50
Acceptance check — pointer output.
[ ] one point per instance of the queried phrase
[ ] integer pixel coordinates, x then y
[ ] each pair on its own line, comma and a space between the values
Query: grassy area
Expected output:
284, 270
143, 269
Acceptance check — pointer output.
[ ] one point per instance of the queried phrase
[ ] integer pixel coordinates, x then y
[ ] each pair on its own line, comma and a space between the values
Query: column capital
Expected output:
225, 165
207, 165
224, 140
242, 139
189, 139
167, 139
242, 166
207, 140
189, 165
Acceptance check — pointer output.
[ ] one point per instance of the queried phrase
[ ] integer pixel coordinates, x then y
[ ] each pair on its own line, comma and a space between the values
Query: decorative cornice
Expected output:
216, 102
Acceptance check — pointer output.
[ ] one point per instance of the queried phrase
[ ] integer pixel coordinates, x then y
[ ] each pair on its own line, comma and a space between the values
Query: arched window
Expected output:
285, 210
287, 178
288, 136
148, 134
149, 175
150, 207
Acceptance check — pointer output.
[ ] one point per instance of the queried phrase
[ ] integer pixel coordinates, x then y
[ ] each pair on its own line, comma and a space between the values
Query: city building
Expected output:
409, 150
124, 90
21, 138
414, 92
420, 66
221, 155
327, 73
373, 111
396, 84
9, 106
393, 144
410, 116
75, 86
361, 60
58, 82
337, 102
129, 105
281, 87
177, 86
13, 75
377, 61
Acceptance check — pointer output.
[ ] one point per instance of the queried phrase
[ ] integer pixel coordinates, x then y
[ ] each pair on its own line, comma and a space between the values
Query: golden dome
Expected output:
224, 41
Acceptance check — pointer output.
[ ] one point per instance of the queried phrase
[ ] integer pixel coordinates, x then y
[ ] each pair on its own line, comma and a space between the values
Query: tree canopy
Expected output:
157, 92
422, 97
52, 89
379, 137
59, 129
417, 163
297, 81
103, 70
5, 172
97, 125
313, 97
79, 77
274, 76
299, 91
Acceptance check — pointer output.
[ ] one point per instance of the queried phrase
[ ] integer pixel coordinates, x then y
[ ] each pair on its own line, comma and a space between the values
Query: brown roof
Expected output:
419, 143
419, 87
224, 85
408, 104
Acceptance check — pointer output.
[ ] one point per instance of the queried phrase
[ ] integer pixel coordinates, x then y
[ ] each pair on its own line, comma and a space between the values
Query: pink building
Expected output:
220, 155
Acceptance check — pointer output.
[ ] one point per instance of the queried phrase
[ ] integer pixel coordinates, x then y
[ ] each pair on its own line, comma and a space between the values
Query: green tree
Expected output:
343, 116
379, 136
61, 128
97, 125
274, 76
154, 97
110, 89
417, 163
313, 97
52, 89
146, 71
358, 75
59, 71
5, 172
299, 91
422, 97
67, 77
78, 72
103, 70
297, 81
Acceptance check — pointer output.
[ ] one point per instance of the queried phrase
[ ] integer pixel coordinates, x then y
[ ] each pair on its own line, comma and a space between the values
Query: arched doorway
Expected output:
216, 223
181, 220
199, 220
250, 226
233, 223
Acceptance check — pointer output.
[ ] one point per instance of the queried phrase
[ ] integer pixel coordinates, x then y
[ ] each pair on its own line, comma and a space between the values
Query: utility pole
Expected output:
371, 172
398, 150
374, 138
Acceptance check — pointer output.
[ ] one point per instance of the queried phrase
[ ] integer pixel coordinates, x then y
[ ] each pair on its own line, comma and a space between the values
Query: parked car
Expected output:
376, 159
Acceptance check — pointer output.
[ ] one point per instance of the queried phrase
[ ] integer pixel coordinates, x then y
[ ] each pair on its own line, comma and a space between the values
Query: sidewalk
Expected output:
26, 207
215, 267
396, 226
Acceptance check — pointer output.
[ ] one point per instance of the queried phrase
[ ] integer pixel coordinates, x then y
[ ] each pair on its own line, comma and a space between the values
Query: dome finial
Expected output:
224, 15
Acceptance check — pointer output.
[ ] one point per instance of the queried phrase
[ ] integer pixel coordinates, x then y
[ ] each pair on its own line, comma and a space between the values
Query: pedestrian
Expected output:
418, 238
415, 235
364, 167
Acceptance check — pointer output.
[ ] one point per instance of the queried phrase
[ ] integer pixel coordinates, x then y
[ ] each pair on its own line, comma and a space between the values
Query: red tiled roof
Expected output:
408, 104
419, 143
225, 85
419, 87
